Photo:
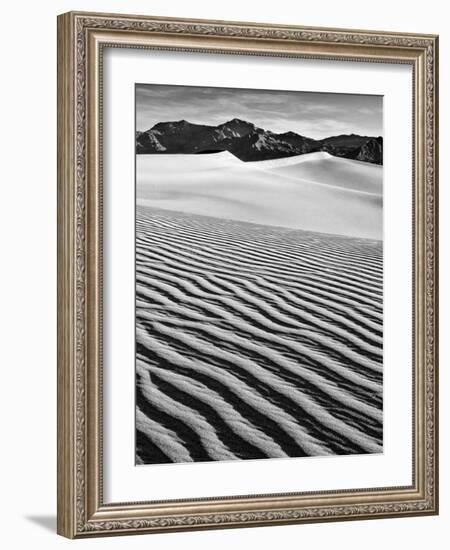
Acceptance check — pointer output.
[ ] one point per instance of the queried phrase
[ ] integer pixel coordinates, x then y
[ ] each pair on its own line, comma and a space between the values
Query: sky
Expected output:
312, 114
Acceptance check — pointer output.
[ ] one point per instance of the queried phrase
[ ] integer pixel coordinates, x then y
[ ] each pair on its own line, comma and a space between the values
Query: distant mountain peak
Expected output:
290, 133
239, 125
237, 121
174, 124
250, 143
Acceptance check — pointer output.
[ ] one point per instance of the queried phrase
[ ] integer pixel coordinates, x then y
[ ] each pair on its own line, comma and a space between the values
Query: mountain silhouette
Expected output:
251, 143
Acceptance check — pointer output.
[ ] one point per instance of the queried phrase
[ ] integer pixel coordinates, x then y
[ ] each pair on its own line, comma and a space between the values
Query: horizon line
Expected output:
265, 129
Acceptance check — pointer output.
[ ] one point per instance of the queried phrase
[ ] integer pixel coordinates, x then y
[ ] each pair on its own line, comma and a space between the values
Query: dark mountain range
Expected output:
368, 149
250, 143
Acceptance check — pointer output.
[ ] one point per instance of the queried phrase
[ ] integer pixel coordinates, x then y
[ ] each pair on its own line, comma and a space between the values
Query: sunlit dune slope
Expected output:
315, 192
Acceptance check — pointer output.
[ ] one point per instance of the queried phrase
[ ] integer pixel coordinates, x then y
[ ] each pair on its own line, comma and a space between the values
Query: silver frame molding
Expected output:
81, 39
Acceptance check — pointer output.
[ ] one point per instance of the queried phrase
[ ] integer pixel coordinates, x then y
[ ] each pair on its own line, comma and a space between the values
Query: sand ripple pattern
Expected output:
255, 341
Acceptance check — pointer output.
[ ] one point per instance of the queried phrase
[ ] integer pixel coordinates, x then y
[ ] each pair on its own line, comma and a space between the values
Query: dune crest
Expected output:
315, 191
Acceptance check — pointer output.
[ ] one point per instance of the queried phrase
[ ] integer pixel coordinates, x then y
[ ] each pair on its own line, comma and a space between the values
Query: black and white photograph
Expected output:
259, 274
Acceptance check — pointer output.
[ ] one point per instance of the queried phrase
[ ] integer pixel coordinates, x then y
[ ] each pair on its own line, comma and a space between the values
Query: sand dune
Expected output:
324, 169
254, 341
315, 192
259, 308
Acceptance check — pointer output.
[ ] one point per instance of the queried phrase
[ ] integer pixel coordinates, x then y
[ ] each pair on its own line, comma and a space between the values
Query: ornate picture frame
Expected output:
82, 39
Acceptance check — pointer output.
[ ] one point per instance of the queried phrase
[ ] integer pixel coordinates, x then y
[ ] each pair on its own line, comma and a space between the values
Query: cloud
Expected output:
313, 114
